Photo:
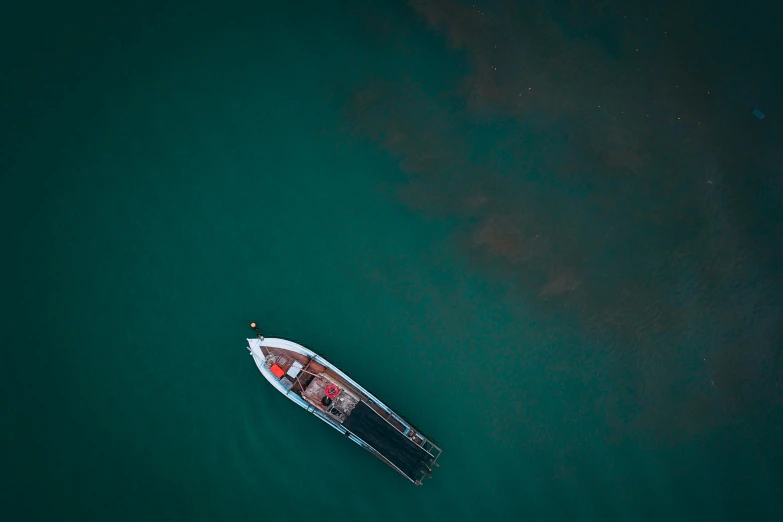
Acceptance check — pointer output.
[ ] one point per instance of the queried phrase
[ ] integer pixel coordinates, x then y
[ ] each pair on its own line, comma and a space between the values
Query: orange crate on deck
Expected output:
278, 371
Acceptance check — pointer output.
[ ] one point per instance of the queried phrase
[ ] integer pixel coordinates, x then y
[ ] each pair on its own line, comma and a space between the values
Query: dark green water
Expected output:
171, 173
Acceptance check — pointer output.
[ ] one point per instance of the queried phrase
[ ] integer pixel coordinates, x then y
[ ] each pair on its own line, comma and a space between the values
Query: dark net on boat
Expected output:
366, 424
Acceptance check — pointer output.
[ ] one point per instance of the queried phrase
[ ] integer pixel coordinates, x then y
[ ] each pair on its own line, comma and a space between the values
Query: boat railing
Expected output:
426, 444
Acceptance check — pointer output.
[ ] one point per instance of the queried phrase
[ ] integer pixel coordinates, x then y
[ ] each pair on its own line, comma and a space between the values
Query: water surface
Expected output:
556, 254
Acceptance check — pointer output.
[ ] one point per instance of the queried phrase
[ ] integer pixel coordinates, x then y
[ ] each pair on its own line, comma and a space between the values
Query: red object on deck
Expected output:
332, 391
278, 371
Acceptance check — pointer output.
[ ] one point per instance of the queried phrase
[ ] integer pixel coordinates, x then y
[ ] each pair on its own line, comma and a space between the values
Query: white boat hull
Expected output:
403, 428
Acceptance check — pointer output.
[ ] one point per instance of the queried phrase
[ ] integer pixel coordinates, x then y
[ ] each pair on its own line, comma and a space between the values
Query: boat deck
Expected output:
341, 406
366, 424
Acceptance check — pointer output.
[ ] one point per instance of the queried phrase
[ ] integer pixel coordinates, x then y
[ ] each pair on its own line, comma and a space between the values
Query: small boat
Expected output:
318, 386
